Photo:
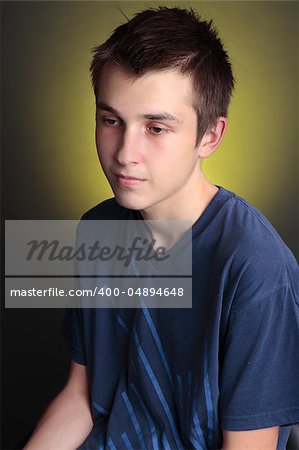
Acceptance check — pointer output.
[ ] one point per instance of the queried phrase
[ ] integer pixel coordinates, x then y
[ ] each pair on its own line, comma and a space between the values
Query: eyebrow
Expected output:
155, 116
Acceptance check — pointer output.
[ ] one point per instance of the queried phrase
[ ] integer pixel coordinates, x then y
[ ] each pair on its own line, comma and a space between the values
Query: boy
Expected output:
224, 373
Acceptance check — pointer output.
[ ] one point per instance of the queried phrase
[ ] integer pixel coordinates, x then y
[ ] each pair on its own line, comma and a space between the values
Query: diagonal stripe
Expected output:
148, 418
101, 438
157, 340
134, 419
195, 418
157, 389
100, 409
122, 323
165, 442
154, 333
208, 395
127, 441
196, 422
111, 444
196, 444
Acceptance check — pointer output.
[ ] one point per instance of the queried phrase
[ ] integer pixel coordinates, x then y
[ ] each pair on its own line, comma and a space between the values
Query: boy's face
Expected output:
146, 129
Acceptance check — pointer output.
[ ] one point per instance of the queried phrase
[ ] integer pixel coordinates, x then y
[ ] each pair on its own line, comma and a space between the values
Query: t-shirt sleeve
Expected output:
72, 331
259, 379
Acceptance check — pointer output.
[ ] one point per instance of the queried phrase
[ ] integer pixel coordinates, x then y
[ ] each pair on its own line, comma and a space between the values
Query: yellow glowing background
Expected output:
51, 166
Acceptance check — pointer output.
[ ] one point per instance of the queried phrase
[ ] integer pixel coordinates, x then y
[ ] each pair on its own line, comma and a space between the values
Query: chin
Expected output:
129, 203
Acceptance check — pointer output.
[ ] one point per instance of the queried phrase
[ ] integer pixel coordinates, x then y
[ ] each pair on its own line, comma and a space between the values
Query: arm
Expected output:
67, 421
261, 439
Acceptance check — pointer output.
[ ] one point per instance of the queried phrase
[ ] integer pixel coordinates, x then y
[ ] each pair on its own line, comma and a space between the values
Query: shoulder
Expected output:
259, 260
107, 210
249, 232
254, 234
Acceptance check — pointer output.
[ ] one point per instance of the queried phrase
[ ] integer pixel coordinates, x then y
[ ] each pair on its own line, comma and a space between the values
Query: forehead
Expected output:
166, 89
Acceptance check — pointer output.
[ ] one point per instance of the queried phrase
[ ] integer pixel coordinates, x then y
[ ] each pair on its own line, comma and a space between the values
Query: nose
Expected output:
128, 149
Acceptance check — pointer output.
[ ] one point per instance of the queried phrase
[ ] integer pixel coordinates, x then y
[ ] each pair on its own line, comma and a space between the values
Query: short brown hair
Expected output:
164, 38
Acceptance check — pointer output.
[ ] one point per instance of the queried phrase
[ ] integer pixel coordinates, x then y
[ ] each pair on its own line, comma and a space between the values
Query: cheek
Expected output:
105, 141
178, 149
100, 136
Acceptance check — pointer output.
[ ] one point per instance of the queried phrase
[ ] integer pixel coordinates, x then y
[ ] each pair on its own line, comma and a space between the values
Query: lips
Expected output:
126, 177
127, 181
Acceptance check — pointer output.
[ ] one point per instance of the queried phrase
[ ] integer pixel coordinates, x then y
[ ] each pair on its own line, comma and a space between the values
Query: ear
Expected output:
212, 138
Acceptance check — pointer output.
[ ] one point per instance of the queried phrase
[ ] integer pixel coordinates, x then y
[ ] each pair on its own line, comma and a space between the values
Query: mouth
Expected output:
125, 180
125, 177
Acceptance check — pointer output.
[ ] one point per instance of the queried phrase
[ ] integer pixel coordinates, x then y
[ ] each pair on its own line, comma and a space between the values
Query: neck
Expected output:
188, 206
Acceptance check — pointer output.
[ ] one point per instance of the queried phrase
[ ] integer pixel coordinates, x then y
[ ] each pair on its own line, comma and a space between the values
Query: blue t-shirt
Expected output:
173, 378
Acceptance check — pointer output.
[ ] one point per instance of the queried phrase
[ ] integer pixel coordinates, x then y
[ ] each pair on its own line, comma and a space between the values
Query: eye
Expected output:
110, 122
158, 130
